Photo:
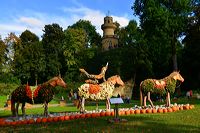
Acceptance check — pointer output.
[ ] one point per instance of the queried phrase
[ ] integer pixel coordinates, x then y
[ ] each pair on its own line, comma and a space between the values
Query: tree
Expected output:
73, 46
163, 23
52, 41
93, 38
11, 41
191, 55
2, 54
29, 63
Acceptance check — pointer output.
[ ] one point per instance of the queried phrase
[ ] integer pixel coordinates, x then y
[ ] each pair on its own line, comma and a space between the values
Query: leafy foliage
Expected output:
29, 62
52, 42
190, 54
162, 22
73, 46
93, 38
2, 54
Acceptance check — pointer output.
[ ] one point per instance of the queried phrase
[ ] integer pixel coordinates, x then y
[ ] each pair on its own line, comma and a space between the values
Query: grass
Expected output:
180, 121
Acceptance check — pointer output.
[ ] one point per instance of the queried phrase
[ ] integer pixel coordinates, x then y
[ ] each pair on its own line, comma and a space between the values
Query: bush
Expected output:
9, 78
6, 89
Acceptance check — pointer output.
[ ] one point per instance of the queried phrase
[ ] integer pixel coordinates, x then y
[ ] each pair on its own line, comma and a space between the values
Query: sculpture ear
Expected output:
107, 64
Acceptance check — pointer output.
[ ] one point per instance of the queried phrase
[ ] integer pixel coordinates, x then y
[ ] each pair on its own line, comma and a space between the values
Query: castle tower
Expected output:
109, 40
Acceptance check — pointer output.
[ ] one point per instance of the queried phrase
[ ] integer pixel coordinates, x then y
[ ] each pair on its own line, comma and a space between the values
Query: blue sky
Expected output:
18, 15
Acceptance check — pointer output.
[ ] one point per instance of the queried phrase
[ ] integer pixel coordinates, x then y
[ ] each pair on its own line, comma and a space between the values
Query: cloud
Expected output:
96, 17
31, 21
35, 21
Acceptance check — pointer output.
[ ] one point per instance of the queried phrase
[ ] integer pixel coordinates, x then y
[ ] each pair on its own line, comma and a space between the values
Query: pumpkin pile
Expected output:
59, 117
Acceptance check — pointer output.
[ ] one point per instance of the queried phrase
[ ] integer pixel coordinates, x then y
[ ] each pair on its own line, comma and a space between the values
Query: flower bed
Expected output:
56, 117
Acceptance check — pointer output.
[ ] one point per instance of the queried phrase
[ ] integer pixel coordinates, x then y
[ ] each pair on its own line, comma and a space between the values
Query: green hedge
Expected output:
6, 89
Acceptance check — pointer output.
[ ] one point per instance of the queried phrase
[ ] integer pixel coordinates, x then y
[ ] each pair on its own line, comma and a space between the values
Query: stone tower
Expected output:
109, 40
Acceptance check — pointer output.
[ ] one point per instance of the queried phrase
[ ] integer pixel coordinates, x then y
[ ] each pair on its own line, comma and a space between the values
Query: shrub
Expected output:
6, 89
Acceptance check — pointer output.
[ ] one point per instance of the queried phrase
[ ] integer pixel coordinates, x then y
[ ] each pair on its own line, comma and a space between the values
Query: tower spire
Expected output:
108, 13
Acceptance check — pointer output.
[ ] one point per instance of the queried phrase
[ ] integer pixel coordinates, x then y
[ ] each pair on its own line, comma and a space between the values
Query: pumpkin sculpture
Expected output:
43, 94
166, 86
101, 91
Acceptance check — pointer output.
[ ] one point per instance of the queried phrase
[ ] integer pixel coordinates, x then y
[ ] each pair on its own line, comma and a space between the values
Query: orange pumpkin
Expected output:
2, 123
186, 107
31, 121
191, 106
160, 110
98, 114
137, 111
143, 111
93, 115
82, 116
112, 113
122, 112
61, 118
24, 121
181, 108
132, 111
13, 123
169, 110
154, 110
165, 110
127, 112
77, 116
88, 115
107, 113
177, 108
44, 120
19, 122
102, 113
38, 120
174, 108
7, 123
67, 117
49, 119
149, 111
55, 119
72, 117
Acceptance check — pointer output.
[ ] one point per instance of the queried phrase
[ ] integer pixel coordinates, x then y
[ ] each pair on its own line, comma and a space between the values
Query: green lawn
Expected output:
184, 121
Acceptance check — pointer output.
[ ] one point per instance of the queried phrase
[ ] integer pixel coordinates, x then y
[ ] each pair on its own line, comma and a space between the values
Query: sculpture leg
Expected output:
16, 109
168, 99
23, 109
149, 98
82, 109
107, 104
145, 101
45, 109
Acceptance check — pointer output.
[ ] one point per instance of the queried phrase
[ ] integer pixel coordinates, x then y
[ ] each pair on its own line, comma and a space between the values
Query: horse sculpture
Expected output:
42, 94
166, 86
101, 91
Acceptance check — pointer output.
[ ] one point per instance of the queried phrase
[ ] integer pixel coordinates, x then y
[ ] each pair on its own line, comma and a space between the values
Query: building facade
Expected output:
109, 40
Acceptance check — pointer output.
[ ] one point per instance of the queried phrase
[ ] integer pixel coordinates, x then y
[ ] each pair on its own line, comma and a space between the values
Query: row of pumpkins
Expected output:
127, 111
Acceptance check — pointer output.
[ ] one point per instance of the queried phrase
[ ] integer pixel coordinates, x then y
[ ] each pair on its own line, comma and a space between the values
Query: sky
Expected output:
18, 15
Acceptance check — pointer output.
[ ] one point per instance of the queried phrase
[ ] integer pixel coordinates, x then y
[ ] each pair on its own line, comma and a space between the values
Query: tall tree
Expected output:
191, 53
93, 38
29, 64
163, 22
2, 54
52, 41
73, 46
11, 41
